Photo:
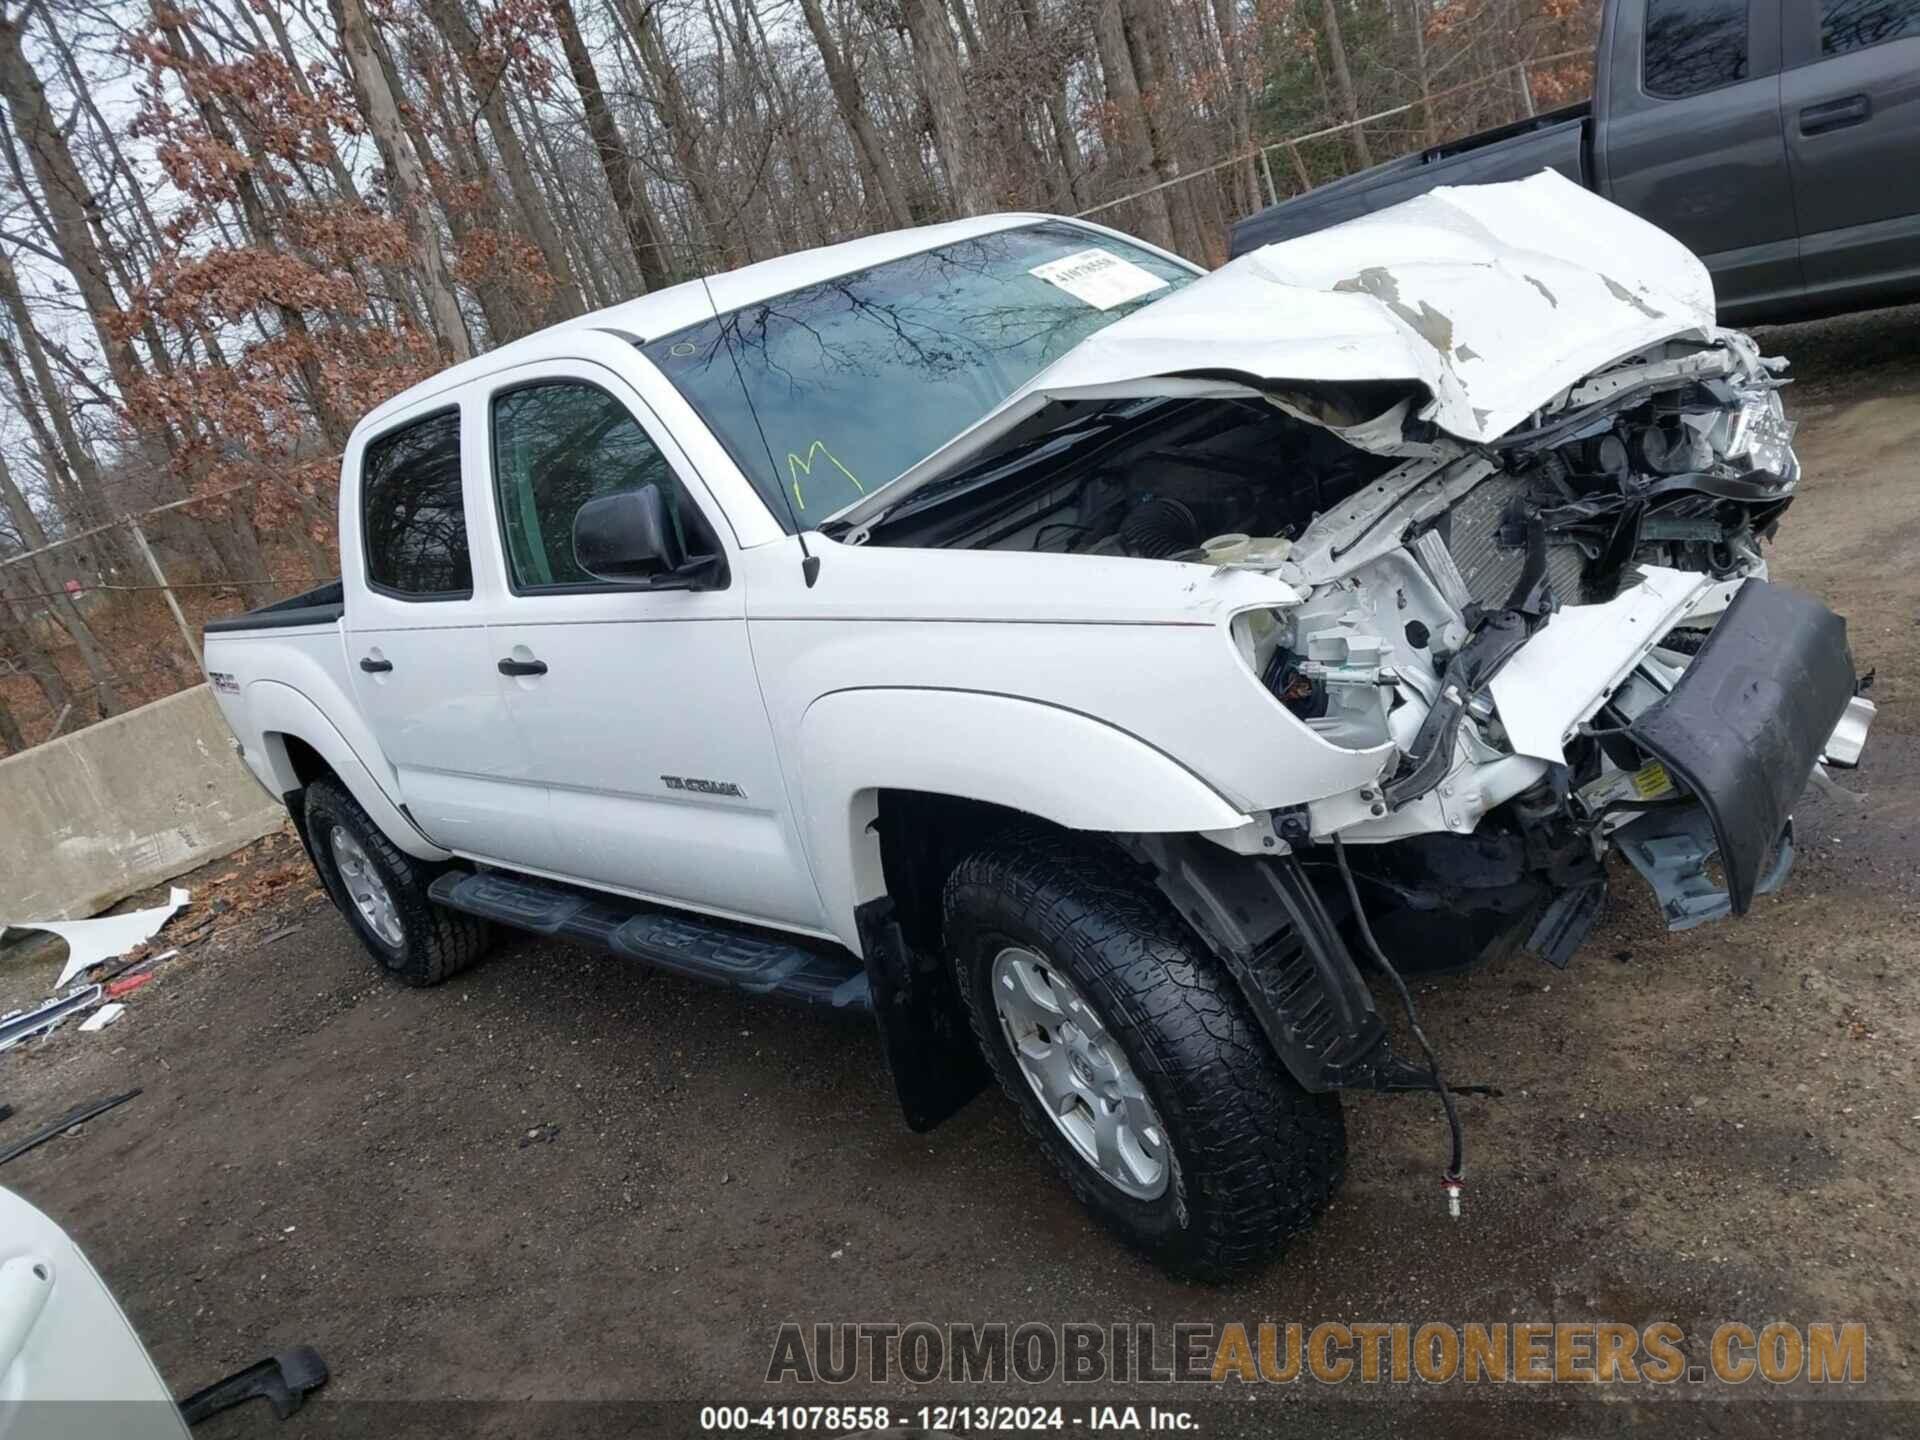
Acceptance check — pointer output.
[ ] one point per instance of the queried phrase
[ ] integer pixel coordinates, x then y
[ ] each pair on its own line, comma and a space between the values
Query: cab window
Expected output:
557, 445
1694, 46
1856, 24
412, 521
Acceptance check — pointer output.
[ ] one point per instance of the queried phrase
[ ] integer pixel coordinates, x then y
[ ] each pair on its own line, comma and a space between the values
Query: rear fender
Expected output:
280, 711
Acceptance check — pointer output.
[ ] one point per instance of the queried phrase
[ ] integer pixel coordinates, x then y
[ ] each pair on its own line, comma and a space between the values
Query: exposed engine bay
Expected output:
1680, 460
1627, 512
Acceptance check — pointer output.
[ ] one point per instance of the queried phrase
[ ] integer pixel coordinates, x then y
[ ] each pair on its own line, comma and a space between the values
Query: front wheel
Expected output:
1135, 1060
382, 891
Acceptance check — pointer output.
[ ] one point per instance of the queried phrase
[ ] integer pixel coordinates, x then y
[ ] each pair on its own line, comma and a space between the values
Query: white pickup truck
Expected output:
1065, 654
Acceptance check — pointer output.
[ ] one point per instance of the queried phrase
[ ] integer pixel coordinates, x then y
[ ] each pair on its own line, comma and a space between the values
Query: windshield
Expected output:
859, 377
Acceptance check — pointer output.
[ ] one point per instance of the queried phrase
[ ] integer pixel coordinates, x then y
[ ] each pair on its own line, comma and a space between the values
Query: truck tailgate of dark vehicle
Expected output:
1555, 141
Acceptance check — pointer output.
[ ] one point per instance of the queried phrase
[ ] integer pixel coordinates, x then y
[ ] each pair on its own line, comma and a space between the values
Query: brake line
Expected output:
1454, 1179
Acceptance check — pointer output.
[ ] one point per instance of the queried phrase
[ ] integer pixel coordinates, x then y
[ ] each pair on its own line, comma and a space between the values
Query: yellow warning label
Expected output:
1650, 781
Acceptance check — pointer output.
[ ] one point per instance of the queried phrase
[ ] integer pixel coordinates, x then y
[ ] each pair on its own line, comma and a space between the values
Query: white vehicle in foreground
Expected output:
1067, 655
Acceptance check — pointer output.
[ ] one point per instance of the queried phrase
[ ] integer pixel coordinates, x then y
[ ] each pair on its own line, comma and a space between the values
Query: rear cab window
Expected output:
1694, 46
413, 523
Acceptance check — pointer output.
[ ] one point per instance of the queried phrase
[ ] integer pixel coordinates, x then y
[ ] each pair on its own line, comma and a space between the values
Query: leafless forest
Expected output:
231, 227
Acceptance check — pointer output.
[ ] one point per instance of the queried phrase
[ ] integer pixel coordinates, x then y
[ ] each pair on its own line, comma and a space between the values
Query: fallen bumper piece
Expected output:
102, 1017
281, 1380
24, 1024
1849, 737
91, 941
1748, 719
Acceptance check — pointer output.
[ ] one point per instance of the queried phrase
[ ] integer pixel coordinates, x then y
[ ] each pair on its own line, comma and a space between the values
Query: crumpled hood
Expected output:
1490, 298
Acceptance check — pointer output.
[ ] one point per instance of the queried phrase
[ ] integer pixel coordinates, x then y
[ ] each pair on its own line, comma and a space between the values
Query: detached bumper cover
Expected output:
1745, 724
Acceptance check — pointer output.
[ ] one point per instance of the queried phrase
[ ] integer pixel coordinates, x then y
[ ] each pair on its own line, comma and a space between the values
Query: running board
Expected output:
681, 944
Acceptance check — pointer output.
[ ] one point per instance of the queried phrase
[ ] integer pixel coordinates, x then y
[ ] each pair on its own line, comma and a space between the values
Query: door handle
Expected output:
376, 667
523, 667
1835, 115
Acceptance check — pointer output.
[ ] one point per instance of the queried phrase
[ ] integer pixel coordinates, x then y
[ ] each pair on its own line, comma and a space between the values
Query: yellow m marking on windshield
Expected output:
798, 465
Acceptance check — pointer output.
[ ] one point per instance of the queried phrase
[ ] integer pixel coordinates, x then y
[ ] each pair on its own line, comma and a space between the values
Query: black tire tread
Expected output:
440, 943
1262, 1157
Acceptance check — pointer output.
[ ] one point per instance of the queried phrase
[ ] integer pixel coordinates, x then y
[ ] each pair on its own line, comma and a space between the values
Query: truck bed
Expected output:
322, 605
1554, 141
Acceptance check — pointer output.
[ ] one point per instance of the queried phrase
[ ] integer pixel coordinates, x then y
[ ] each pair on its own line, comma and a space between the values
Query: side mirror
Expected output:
627, 538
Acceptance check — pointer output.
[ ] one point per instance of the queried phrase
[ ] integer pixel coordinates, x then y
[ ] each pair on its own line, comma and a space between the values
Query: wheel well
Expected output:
922, 837
306, 761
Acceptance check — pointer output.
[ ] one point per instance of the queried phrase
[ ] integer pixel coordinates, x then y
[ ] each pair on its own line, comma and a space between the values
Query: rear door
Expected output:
644, 719
1850, 97
1690, 138
417, 646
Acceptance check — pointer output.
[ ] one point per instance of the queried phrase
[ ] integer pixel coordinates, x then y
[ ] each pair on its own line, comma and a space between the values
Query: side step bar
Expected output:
700, 949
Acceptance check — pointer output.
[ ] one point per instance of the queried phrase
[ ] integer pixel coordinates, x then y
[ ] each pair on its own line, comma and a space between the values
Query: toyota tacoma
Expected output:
1095, 669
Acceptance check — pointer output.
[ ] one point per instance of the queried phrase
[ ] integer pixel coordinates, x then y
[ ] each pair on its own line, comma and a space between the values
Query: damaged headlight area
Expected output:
1683, 460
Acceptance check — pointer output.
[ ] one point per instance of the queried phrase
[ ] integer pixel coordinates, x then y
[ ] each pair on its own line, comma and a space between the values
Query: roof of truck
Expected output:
664, 311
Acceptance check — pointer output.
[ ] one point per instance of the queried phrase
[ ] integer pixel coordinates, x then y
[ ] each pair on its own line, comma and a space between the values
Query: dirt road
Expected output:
563, 1177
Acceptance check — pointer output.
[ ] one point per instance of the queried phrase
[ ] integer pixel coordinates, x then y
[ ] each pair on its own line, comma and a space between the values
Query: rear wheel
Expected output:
1134, 1059
382, 891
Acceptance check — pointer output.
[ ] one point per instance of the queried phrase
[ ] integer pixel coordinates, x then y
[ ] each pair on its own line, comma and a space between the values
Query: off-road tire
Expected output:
436, 943
1255, 1158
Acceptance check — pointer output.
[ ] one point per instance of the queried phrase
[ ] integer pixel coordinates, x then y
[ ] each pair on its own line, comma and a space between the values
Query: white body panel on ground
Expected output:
70, 1363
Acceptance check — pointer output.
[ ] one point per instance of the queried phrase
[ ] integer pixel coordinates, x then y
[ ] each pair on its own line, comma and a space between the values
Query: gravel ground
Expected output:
565, 1178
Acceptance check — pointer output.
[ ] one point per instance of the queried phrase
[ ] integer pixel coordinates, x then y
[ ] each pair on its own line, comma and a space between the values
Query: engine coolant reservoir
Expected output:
1268, 550
1226, 549
1253, 551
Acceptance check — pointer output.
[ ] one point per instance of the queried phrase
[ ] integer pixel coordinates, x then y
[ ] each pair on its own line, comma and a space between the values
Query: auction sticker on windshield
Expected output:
1099, 278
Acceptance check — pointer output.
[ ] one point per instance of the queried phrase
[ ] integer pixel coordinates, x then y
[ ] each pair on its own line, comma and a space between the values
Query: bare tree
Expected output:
487, 80
645, 236
53, 595
407, 177
1343, 80
937, 61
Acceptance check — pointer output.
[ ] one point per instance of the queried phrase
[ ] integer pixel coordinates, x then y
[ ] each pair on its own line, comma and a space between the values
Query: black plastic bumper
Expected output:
1745, 724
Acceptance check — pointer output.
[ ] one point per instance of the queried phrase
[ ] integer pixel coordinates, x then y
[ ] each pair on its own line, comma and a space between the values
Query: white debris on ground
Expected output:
102, 1017
92, 942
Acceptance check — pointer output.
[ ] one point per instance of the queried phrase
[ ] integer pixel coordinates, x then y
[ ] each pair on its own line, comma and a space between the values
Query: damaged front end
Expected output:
1515, 508
1569, 640
1564, 641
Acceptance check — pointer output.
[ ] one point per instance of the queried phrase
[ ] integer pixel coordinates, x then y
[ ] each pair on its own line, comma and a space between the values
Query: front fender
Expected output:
1046, 761
280, 711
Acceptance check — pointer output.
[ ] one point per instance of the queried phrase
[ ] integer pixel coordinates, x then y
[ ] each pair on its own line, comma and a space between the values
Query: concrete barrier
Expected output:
94, 816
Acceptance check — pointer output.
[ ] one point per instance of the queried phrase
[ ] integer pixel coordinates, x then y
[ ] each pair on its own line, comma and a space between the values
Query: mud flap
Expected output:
931, 1054
1744, 725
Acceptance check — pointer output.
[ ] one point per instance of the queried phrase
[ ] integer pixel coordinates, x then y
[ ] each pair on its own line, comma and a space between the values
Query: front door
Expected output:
640, 705
1851, 101
419, 655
